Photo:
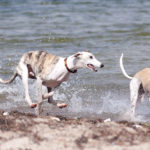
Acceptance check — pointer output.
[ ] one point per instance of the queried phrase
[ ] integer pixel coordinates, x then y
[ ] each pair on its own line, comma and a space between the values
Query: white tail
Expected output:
122, 68
10, 80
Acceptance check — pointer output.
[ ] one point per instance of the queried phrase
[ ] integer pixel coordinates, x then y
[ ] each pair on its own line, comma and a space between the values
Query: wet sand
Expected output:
20, 131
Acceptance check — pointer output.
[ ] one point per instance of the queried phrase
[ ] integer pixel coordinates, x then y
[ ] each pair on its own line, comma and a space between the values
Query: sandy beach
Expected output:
19, 131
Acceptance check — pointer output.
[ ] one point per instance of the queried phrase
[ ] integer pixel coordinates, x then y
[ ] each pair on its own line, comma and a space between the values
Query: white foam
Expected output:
80, 100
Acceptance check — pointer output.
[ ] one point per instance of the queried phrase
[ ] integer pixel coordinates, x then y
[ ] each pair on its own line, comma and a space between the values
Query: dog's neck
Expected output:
70, 68
72, 64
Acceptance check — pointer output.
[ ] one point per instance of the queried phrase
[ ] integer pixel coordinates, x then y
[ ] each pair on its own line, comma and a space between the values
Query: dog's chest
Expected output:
56, 80
54, 76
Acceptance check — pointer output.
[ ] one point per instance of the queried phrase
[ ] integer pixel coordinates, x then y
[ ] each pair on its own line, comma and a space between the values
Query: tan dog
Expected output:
139, 85
50, 71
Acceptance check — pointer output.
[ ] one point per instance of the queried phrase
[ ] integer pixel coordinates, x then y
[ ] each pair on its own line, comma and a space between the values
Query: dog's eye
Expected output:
91, 57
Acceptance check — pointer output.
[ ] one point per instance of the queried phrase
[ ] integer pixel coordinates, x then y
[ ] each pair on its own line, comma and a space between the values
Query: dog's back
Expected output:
144, 77
40, 61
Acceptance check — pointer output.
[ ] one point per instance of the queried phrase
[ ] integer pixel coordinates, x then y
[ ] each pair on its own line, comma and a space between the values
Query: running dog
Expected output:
139, 85
50, 70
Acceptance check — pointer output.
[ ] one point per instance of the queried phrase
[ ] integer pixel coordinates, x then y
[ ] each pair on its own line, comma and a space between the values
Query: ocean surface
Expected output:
106, 28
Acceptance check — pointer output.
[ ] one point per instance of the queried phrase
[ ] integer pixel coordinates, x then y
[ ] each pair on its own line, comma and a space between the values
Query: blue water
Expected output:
62, 27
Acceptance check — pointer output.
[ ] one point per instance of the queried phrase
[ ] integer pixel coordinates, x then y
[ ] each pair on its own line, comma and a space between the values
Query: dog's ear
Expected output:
77, 54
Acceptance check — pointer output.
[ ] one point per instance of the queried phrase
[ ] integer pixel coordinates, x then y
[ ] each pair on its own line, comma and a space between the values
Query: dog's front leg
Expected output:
48, 96
39, 86
51, 101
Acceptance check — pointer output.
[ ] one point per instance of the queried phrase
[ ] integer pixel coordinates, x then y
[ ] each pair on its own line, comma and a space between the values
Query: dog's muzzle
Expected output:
102, 65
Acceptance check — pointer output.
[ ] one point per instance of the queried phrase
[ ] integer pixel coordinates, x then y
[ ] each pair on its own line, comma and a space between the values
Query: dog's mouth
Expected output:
92, 67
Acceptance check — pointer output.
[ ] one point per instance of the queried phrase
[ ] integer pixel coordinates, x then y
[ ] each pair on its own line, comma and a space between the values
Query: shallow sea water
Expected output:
62, 27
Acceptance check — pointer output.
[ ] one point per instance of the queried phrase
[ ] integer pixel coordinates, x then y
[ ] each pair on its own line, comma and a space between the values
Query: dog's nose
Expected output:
102, 65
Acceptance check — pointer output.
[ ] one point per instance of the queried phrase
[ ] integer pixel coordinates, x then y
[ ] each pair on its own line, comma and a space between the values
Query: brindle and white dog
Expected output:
50, 70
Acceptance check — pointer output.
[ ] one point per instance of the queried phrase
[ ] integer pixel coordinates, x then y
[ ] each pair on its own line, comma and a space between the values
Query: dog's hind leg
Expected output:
134, 89
148, 95
24, 76
141, 94
39, 85
141, 98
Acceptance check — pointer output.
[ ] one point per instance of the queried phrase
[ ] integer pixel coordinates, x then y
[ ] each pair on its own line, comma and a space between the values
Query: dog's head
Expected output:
86, 59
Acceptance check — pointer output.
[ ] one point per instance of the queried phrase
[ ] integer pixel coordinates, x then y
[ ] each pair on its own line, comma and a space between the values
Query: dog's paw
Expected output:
33, 105
61, 105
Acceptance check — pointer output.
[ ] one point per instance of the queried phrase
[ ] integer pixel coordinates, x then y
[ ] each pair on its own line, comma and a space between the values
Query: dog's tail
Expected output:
122, 68
10, 80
